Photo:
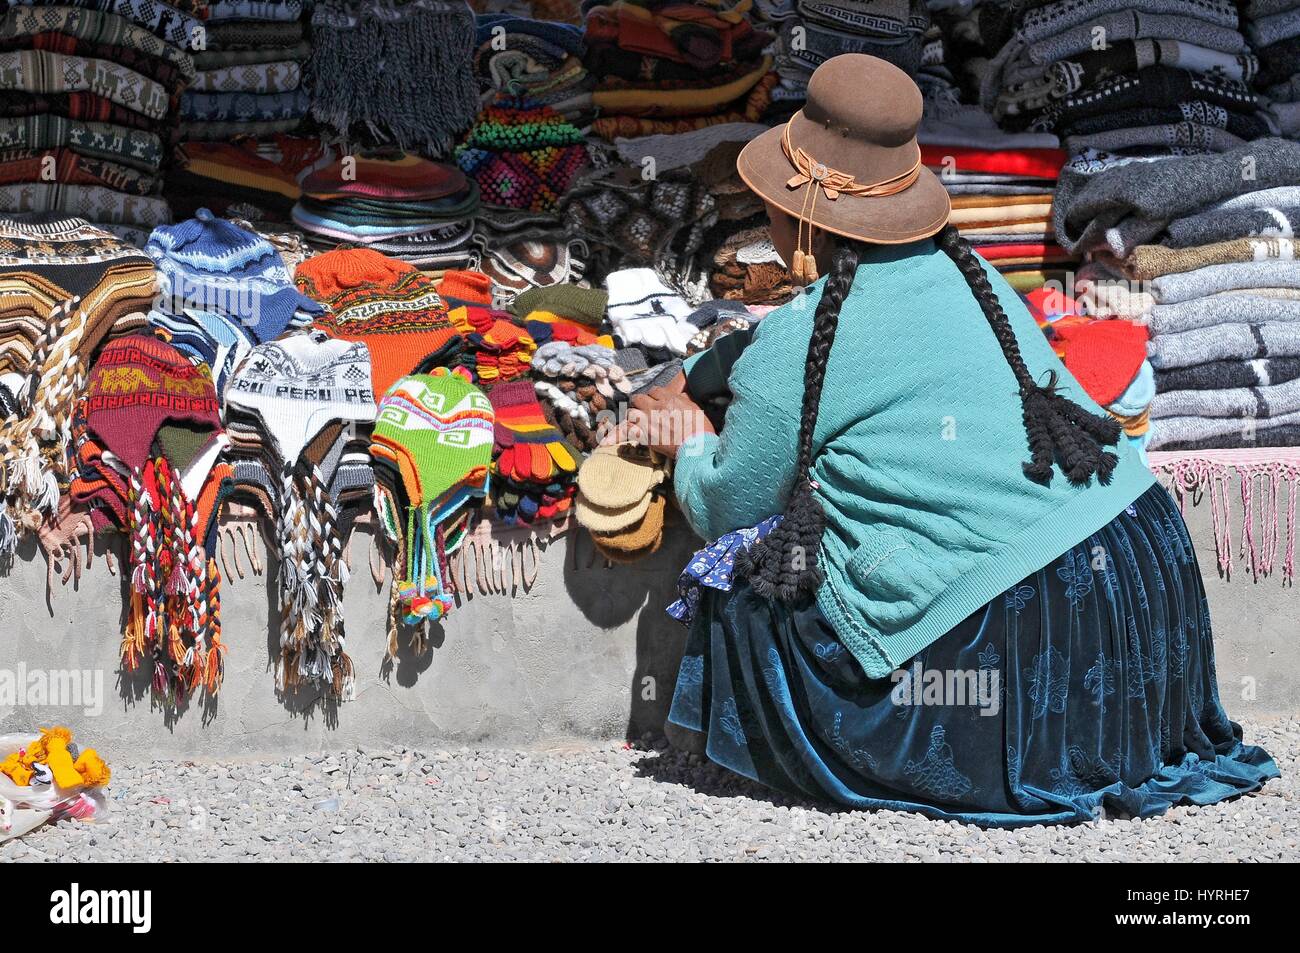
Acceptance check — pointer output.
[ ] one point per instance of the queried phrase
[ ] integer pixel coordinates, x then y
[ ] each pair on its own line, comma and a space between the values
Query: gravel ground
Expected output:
608, 802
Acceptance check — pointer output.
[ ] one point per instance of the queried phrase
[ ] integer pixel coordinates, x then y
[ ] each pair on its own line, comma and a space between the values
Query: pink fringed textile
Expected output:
1263, 473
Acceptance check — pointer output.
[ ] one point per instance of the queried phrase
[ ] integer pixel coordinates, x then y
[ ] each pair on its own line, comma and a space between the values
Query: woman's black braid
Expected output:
785, 564
1058, 429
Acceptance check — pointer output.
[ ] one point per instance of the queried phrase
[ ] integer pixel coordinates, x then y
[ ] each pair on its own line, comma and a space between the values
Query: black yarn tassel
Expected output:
785, 565
1060, 429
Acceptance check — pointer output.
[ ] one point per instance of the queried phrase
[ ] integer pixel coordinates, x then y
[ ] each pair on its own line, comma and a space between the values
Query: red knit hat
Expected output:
139, 383
1104, 356
389, 305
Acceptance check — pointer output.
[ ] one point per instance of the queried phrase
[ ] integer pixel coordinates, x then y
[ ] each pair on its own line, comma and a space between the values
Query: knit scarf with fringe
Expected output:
312, 575
174, 621
396, 71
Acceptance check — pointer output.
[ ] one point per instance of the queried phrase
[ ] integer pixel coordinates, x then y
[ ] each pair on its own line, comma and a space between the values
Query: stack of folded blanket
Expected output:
1002, 204
816, 30
672, 67
1165, 75
249, 79
1200, 248
89, 100
522, 56
399, 205
1273, 28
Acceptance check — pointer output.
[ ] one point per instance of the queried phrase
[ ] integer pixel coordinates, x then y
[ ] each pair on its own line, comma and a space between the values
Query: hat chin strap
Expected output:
816, 177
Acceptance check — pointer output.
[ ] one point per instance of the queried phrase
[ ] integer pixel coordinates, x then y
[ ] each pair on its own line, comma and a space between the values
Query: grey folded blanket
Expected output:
1221, 226
1236, 276
1244, 431
1223, 342
1219, 375
1268, 433
1114, 21
1226, 309
1258, 402
1126, 205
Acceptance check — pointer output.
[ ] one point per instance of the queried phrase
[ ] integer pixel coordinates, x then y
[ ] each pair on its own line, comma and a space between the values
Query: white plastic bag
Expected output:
23, 809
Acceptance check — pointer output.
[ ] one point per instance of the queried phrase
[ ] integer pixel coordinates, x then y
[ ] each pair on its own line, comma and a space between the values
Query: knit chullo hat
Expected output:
436, 431
293, 389
65, 286
210, 264
389, 305
149, 445
523, 155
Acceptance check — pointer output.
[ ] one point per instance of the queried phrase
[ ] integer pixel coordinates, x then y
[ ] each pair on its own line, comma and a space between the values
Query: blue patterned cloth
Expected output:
712, 567
1090, 683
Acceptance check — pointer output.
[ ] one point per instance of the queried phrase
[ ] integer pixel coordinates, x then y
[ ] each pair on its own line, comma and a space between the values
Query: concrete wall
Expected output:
586, 651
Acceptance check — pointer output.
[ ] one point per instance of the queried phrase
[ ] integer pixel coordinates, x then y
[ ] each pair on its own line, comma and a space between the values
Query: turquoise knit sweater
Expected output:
918, 453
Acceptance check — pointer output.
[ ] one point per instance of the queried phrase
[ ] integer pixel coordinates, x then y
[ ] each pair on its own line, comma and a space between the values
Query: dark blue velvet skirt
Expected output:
1091, 683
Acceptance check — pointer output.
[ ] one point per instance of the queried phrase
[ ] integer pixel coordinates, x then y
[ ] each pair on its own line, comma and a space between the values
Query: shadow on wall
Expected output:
640, 590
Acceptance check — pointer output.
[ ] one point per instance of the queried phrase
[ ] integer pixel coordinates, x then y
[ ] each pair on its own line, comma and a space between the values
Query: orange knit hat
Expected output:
389, 305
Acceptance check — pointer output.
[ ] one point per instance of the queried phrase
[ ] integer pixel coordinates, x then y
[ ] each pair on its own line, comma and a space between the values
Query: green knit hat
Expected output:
437, 430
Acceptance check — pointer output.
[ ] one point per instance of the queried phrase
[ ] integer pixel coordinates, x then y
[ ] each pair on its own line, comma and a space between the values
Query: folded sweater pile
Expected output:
89, 103
249, 79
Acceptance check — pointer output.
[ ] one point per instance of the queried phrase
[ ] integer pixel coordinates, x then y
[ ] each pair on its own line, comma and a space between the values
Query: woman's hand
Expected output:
662, 418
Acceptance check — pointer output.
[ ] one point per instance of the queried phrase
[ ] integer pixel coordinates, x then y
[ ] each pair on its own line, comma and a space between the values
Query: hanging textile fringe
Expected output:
1262, 473
312, 576
399, 70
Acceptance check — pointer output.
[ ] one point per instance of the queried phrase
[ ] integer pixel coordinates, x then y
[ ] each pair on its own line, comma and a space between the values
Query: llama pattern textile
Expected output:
1072, 710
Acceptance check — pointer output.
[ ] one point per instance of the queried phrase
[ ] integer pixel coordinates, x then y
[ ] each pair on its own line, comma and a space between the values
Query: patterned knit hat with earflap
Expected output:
436, 431
207, 263
390, 306
139, 388
296, 387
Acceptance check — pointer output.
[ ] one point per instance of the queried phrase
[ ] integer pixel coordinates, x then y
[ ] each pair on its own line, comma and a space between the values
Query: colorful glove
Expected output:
532, 450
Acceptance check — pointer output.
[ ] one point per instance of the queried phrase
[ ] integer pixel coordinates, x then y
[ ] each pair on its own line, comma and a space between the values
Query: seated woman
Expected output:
976, 604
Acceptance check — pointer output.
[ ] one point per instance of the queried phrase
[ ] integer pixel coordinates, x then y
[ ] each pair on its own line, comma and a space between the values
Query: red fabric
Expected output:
1104, 356
1047, 252
1042, 163
1052, 303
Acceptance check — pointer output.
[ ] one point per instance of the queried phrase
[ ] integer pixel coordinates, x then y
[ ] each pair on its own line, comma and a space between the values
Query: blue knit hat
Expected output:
211, 264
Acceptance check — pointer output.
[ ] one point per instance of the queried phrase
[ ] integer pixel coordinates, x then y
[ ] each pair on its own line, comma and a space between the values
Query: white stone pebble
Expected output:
598, 802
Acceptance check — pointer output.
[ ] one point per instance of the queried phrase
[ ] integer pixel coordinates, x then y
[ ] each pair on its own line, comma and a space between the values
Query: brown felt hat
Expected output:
848, 162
